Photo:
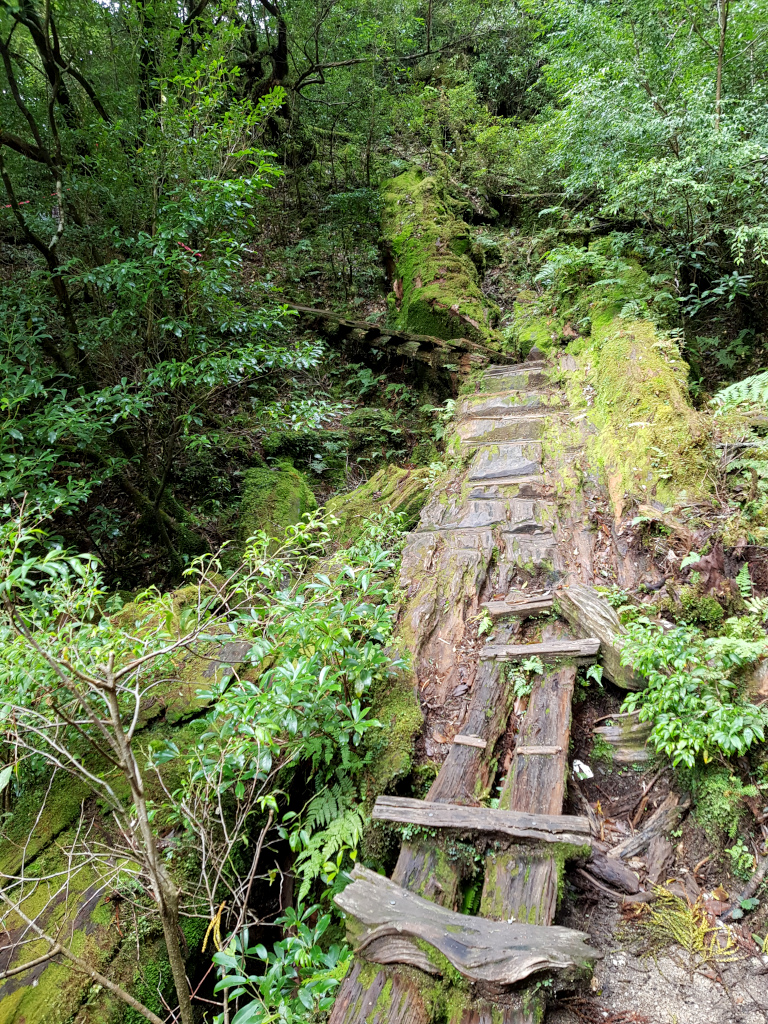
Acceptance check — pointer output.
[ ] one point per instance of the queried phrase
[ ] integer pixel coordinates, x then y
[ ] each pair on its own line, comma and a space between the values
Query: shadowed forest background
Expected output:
206, 487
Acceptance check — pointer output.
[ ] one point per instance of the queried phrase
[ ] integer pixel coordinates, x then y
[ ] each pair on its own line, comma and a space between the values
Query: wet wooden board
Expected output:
590, 615
552, 828
579, 650
389, 924
522, 884
420, 867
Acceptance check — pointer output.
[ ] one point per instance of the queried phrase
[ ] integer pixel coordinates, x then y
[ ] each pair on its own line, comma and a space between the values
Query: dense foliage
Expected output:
177, 179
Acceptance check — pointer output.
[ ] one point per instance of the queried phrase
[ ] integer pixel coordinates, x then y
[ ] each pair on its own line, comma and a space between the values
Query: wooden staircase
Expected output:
416, 957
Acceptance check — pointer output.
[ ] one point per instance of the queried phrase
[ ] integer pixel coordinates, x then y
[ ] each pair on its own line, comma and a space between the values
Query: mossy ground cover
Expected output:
272, 500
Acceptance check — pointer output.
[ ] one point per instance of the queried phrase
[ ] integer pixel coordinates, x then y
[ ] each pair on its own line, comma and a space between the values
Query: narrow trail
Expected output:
493, 537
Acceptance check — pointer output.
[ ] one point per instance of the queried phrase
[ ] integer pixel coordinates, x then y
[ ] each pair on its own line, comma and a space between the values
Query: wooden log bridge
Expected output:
418, 959
451, 353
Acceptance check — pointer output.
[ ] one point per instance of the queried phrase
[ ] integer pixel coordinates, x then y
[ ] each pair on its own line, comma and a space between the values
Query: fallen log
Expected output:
423, 347
391, 925
575, 650
590, 615
663, 819
628, 737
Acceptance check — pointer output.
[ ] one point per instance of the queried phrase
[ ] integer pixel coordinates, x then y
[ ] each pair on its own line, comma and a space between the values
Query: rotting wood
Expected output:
628, 739
523, 884
612, 871
591, 615
545, 828
576, 650
470, 741
661, 821
447, 565
388, 923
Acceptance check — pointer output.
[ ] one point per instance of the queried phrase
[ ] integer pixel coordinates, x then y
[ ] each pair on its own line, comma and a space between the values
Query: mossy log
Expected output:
436, 350
273, 499
401, 490
434, 277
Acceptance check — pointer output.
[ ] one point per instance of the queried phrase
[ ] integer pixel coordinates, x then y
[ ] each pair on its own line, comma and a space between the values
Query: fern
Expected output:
341, 836
752, 391
329, 804
744, 582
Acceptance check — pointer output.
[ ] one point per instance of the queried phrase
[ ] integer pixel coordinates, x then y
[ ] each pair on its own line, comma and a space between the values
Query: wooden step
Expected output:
580, 651
495, 370
533, 606
545, 828
389, 925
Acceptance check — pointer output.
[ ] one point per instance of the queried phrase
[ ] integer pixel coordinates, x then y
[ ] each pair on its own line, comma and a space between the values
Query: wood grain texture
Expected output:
560, 828
387, 922
578, 650
590, 615
523, 884
628, 737
520, 609
363, 999
465, 769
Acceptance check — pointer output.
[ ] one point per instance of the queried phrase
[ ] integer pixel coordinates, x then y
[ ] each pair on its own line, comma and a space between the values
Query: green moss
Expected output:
447, 971
441, 292
273, 499
395, 705
401, 490
649, 441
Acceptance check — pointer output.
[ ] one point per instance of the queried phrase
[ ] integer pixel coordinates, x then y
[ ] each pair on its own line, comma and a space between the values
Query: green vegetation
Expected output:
691, 698
431, 247
272, 500
586, 179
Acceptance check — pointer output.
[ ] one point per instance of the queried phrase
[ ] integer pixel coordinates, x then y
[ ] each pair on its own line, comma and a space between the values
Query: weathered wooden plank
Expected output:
465, 772
590, 615
390, 997
553, 828
534, 606
628, 738
551, 651
469, 741
521, 884
387, 923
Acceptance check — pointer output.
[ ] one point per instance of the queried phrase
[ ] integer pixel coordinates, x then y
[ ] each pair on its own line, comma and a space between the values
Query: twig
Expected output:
640, 805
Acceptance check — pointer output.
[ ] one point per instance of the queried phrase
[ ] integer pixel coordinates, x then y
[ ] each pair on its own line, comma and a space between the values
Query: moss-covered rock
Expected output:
402, 490
272, 500
436, 278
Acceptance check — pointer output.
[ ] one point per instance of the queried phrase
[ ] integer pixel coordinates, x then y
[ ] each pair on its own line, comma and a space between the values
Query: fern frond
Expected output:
315, 859
752, 391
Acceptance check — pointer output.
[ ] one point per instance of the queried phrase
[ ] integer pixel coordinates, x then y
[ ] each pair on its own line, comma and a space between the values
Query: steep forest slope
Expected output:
384, 412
